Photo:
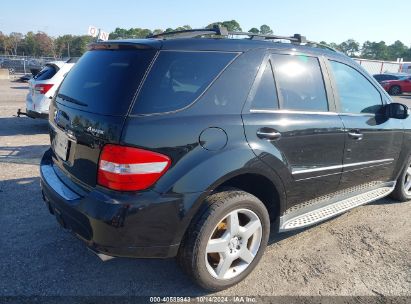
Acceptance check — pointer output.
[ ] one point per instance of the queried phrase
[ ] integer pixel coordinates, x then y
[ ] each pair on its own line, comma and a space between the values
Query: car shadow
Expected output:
384, 201
48, 260
11, 126
20, 88
22, 154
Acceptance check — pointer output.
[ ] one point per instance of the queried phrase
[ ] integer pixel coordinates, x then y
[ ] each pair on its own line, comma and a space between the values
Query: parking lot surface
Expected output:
363, 252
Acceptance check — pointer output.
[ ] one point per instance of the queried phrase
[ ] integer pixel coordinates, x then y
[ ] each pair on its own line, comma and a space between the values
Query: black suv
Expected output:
192, 145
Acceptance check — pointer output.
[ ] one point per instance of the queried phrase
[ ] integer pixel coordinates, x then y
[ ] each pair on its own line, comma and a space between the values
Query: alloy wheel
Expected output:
233, 244
407, 181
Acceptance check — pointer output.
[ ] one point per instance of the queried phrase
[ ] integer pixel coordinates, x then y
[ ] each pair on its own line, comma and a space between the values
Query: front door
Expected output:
373, 141
291, 125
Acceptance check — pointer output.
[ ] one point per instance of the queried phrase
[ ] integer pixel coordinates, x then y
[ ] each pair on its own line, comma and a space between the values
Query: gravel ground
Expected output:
363, 252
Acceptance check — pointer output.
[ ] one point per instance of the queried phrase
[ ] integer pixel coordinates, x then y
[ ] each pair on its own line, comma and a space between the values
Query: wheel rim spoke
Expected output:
224, 266
250, 229
246, 256
217, 245
408, 185
409, 171
233, 224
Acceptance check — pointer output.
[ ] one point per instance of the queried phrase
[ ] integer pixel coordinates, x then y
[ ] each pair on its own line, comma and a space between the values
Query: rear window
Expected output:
177, 79
46, 73
105, 81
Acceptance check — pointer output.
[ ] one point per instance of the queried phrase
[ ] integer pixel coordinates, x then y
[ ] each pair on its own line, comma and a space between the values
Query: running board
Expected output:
290, 222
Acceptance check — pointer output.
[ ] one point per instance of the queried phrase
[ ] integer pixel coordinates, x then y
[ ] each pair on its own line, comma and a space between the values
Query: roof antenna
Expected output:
300, 39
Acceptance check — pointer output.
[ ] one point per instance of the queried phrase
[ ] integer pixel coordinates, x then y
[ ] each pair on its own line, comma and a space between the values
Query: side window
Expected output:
300, 83
178, 78
265, 95
357, 94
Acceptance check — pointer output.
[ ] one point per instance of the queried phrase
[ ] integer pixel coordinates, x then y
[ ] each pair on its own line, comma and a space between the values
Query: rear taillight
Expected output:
130, 169
43, 88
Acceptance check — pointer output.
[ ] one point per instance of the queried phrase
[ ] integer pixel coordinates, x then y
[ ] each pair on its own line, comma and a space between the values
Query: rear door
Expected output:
372, 142
291, 125
91, 105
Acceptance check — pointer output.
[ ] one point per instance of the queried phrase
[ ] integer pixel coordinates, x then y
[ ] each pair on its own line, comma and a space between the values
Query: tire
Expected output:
402, 191
395, 90
207, 267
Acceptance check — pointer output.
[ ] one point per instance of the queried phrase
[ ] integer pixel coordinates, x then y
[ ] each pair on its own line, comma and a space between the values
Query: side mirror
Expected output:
396, 110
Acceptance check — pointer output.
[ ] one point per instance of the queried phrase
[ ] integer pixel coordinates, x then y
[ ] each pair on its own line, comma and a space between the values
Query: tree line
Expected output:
41, 44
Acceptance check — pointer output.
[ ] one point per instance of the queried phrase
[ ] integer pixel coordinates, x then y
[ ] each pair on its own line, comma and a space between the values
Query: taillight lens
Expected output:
43, 88
130, 169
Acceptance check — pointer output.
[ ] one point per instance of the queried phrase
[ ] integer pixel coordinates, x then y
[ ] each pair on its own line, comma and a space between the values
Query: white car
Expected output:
43, 86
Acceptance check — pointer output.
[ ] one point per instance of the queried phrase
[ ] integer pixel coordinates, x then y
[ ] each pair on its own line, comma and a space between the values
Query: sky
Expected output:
318, 20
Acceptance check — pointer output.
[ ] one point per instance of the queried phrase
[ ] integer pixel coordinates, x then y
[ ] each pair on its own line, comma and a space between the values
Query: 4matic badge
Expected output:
95, 131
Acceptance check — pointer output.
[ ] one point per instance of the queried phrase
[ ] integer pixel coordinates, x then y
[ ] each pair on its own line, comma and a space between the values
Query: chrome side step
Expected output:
310, 217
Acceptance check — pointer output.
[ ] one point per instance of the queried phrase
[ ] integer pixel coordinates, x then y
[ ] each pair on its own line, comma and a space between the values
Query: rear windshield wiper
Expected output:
72, 100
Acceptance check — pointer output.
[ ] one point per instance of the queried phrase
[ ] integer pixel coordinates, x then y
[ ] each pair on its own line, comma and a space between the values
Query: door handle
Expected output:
355, 135
267, 133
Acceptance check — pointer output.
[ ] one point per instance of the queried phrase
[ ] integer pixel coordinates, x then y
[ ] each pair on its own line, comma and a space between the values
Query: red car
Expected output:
398, 86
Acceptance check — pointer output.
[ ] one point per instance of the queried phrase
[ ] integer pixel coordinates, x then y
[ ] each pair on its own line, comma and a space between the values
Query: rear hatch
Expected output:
89, 108
40, 83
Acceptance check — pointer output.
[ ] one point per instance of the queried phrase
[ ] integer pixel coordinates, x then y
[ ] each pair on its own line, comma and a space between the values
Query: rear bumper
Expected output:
143, 225
38, 106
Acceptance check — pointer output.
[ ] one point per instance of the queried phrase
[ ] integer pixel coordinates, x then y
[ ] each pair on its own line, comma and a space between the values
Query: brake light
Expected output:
43, 88
130, 169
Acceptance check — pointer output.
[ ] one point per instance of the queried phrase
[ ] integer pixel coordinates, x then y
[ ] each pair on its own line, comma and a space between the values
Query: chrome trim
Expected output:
342, 166
291, 112
309, 112
56, 184
370, 162
357, 114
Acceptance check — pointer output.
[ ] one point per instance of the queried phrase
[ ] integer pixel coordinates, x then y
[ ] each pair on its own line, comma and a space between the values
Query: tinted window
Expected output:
46, 73
177, 79
390, 77
380, 77
300, 83
105, 81
357, 94
265, 96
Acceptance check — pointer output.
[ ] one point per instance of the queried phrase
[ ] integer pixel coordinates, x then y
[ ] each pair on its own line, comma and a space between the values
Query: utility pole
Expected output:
68, 49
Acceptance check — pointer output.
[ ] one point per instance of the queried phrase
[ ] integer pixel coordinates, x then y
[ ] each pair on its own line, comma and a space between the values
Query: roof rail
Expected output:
216, 30
222, 31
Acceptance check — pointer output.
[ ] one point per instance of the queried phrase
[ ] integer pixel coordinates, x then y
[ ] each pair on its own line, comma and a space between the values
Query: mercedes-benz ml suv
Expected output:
195, 146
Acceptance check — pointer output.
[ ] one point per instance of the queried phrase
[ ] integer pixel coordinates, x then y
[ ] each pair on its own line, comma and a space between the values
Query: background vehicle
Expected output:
397, 86
19, 65
43, 86
192, 147
389, 76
